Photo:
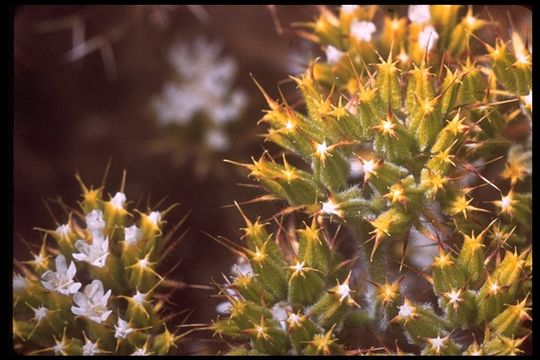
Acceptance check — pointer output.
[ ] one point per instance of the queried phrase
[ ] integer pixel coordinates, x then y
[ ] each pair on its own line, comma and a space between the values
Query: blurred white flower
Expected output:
92, 303
428, 35
225, 306
333, 55
132, 235
299, 57
362, 30
61, 280
330, 208
356, 167
216, 139
242, 267
204, 85
419, 14
279, 313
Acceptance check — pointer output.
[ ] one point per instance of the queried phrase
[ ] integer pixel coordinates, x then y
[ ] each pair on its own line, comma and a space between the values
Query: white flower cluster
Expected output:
92, 302
420, 14
204, 87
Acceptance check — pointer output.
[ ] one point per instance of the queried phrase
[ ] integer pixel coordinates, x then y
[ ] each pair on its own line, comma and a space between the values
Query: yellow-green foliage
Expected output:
422, 107
98, 290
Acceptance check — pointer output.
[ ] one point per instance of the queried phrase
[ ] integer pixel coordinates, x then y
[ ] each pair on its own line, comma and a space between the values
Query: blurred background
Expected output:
165, 93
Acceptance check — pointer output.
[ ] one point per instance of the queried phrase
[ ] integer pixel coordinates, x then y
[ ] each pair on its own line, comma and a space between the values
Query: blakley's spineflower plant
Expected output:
406, 128
200, 102
98, 289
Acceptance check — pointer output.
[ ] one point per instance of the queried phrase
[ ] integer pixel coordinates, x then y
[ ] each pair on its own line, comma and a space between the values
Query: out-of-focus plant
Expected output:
115, 26
197, 105
99, 289
406, 128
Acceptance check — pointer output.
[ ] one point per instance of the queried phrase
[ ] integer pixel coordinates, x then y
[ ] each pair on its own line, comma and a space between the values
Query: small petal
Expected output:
60, 263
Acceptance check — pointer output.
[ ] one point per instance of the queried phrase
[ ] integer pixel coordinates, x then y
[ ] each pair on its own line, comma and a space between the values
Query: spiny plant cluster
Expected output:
422, 110
98, 290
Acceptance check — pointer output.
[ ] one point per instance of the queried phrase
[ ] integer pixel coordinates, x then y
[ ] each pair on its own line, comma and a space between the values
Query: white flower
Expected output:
92, 303
362, 30
19, 283
118, 200
40, 313
132, 235
63, 230
94, 221
95, 254
428, 38
217, 140
419, 14
343, 290
279, 313
330, 208
154, 217
90, 348
242, 267
406, 310
61, 280
333, 54
356, 168
349, 9
122, 330
224, 307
